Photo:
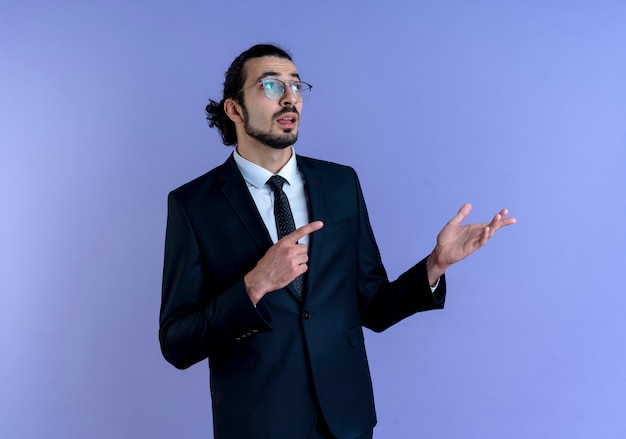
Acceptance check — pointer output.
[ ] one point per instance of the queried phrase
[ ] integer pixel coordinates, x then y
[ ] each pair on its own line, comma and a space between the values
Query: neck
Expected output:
269, 158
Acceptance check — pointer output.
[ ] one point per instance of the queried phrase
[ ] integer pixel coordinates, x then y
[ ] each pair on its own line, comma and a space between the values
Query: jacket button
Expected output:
306, 315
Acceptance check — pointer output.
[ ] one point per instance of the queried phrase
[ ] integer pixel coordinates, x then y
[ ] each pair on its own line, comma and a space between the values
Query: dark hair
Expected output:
234, 78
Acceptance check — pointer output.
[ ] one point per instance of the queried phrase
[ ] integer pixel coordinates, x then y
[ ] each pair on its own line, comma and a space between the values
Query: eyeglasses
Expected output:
275, 88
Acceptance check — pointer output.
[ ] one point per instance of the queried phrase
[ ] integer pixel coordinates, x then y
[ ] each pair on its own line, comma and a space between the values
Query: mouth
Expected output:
287, 120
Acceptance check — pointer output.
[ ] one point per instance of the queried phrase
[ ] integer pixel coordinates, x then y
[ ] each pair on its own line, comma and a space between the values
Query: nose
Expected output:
289, 97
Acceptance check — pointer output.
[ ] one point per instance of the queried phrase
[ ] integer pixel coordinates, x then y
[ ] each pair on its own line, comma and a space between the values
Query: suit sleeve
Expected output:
196, 321
384, 303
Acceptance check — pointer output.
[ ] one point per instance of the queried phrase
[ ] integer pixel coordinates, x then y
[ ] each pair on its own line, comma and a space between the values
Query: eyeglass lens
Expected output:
275, 88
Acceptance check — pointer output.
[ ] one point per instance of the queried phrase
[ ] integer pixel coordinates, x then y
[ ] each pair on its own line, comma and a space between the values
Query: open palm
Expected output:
456, 241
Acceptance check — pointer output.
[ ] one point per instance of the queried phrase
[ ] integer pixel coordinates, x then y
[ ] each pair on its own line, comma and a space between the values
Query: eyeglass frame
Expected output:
284, 87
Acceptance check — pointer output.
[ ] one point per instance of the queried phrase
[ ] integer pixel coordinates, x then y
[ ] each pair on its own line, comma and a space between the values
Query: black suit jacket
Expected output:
272, 366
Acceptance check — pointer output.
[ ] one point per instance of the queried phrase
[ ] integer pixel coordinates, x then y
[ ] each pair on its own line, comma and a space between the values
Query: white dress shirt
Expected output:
256, 179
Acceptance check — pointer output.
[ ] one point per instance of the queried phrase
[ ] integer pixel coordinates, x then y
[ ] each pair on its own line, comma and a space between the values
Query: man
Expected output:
279, 313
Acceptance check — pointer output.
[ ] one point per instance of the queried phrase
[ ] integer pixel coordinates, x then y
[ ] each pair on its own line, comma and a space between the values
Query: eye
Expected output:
270, 84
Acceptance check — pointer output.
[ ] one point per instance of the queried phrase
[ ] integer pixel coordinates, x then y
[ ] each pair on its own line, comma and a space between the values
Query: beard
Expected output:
275, 141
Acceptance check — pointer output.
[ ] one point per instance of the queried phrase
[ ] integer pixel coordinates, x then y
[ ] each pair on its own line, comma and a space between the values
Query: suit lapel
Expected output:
237, 194
317, 204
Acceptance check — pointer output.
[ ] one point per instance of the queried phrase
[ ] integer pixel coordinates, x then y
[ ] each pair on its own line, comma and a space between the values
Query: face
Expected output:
271, 122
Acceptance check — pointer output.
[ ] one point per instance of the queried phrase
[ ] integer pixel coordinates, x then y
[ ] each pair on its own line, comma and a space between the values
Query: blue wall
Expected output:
501, 103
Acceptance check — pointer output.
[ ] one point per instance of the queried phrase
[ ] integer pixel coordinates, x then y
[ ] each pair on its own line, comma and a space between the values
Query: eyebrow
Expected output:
266, 74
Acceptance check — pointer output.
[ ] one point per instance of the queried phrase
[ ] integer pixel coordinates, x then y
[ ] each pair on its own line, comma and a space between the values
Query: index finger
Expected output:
299, 233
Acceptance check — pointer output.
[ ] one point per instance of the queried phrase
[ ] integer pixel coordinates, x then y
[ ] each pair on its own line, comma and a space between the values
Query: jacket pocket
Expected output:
355, 336
332, 227
234, 362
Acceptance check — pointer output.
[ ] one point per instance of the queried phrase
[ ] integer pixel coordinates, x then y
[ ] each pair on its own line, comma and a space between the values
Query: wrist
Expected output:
434, 267
252, 288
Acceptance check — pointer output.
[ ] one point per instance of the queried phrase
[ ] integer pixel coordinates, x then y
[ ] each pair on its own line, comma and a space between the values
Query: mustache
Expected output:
287, 109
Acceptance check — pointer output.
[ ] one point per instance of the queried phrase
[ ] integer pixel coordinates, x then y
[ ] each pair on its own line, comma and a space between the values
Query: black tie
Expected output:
284, 220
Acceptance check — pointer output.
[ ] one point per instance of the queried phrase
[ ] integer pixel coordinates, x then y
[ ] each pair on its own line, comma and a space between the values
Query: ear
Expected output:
233, 110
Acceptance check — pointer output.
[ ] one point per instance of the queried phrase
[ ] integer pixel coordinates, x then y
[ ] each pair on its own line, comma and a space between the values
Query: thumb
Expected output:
461, 214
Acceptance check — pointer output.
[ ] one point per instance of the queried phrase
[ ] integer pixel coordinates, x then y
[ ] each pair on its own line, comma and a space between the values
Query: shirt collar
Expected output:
257, 176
